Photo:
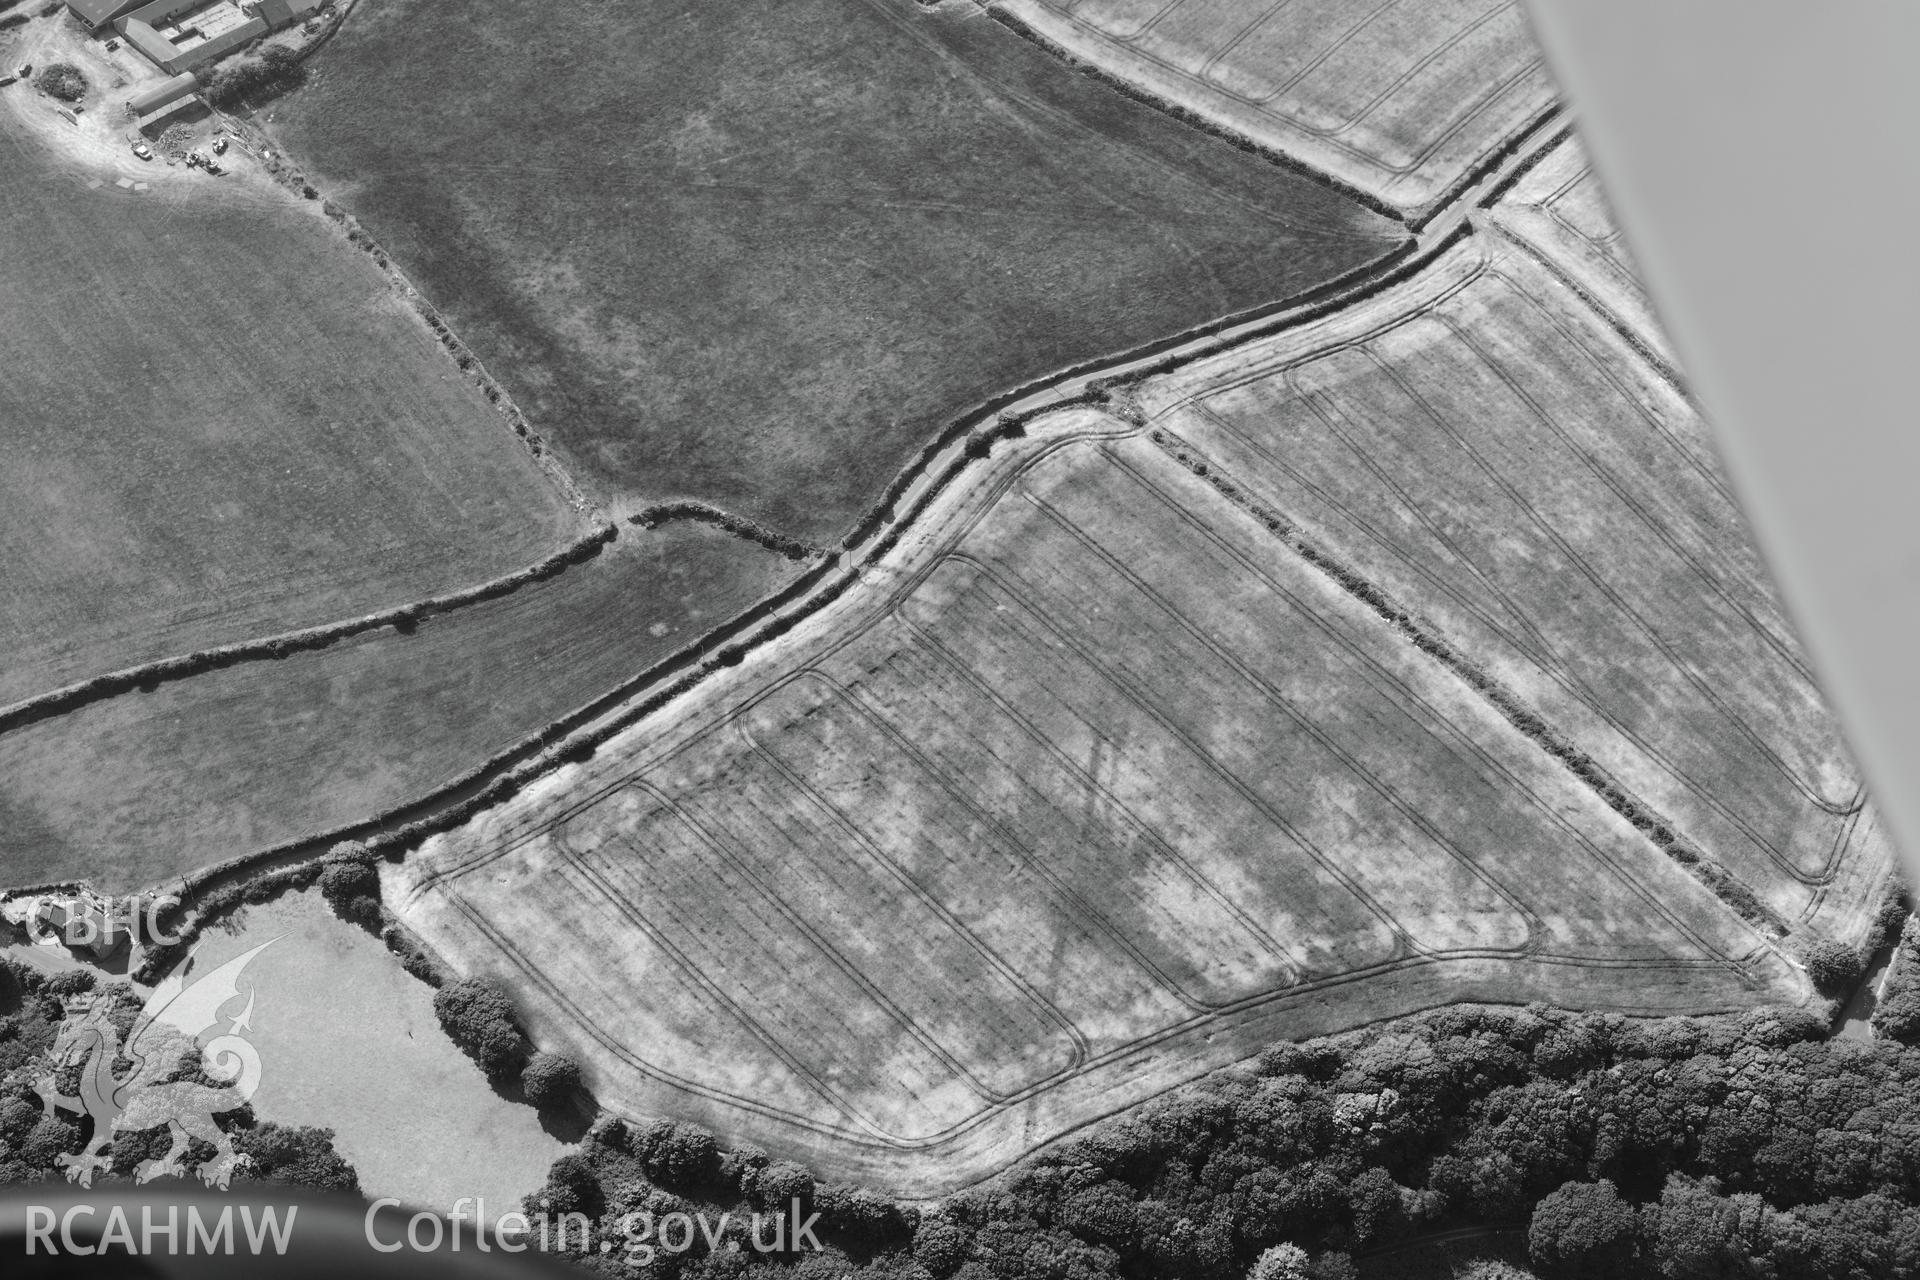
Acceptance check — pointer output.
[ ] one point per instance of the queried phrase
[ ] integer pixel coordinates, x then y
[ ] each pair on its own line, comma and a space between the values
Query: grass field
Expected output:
147, 786
1398, 98
348, 1040
1492, 454
219, 423
757, 253
1096, 784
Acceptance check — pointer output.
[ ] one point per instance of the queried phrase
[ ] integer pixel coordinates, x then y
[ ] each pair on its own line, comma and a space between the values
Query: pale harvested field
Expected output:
1557, 210
1398, 98
1487, 449
1093, 785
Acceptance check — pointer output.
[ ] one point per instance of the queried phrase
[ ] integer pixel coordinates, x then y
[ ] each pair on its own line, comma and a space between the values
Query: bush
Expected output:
679, 1155
1834, 967
295, 1155
275, 70
549, 1079
479, 1018
941, 1245
572, 1187
1584, 1231
342, 882
62, 80
1282, 1262
778, 1184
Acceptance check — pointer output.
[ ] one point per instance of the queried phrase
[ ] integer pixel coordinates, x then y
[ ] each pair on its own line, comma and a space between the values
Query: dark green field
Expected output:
756, 253
218, 422
148, 785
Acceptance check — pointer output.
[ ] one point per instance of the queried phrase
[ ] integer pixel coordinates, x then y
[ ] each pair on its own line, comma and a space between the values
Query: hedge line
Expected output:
150, 676
358, 236
1493, 159
739, 526
389, 833
501, 776
1497, 191
1187, 116
1413, 219
1710, 873
1350, 287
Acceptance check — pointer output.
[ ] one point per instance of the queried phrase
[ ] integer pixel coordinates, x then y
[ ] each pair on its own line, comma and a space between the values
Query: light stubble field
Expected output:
1094, 785
1396, 98
1493, 455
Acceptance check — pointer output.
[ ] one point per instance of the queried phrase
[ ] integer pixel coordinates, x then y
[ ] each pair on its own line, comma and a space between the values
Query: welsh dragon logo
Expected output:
135, 1086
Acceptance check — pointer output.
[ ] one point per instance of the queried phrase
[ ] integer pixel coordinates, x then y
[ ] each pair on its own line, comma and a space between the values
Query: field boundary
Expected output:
1188, 116
1754, 965
968, 439
254, 139
1722, 883
219, 888
739, 526
1414, 217
149, 676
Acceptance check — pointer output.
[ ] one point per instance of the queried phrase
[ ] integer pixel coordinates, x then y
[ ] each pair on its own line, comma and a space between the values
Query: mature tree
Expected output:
1696, 1233
573, 1186
1281, 1262
1834, 967
549, 1079
479, 1018
1584, 1231
940, 1244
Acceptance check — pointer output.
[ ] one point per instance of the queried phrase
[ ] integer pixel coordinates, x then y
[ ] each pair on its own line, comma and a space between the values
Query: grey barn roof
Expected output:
97, 13
161, 94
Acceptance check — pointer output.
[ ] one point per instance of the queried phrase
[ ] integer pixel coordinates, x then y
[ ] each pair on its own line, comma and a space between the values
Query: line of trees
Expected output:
1685, 1149
1897, 1015
477, 1015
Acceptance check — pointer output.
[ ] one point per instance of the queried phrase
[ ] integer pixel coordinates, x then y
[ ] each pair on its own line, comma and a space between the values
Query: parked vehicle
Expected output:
112, 45
142, 150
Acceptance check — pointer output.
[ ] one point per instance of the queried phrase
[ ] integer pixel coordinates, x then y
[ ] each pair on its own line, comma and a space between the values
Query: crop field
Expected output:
1558, 210
757, 253
1095, 784
1397, 98
1491, 454
140, 788
220, 423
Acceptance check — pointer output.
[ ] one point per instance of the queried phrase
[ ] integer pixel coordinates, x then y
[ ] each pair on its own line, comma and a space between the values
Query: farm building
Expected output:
83, 924
190, 107
94, 14
284, 13
178, 34
163, 94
